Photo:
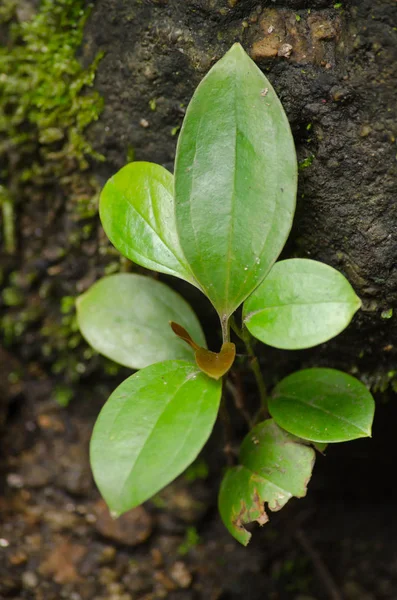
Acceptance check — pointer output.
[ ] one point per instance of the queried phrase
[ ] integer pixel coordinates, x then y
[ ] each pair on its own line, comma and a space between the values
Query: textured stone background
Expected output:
335, 70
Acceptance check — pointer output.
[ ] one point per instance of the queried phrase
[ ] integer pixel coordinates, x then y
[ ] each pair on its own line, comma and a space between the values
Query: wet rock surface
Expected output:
334, 66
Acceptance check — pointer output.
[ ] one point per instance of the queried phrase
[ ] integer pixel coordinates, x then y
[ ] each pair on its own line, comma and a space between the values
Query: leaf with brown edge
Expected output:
213, 364
275, 466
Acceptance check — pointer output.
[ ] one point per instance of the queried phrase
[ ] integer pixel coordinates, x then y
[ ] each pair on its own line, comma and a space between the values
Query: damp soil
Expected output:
57, 539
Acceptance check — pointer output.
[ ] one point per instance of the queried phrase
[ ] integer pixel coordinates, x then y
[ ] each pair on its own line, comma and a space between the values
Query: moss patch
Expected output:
46, 105
45, 101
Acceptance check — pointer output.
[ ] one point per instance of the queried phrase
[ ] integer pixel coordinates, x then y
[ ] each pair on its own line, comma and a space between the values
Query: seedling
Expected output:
220, 223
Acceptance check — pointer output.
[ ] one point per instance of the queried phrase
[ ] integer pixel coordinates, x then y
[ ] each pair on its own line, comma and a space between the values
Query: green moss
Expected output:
12, 296
46, 105
63, 395
44, 87
192, 539
304, 164
7, 209
130, 153
45, 102
197, 470
382, 381
7, 10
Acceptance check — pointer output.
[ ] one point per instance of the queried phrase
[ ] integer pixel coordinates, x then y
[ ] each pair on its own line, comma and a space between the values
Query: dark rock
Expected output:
350, 185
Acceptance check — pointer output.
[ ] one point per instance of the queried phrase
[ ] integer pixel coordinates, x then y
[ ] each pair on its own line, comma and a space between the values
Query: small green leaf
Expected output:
274, 467
126, 317
300, 304
152, 427
323, 405
137, 214
235, 180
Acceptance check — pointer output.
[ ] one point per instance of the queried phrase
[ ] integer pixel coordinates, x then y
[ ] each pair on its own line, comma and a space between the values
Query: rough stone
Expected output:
132, 528
180, 574
336, 208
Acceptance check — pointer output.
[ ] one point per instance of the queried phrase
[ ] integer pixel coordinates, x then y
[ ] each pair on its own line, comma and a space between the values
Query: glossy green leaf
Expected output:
137, 213
274, 467
323, 405
235, 180
300, 304
151, 428
126, 317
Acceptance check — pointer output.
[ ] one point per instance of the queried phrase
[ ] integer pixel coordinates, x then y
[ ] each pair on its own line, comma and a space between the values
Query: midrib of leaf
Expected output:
323, 410
187, 431
253, 266
147, 222
232, 203
171, 399
155, 209
143, 327
198, 253
269, 482
184, 322
261, 310
156, 263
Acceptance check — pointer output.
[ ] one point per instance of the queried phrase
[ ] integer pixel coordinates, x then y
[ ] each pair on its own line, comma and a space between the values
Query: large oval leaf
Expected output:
151, 428
323, 405
235, 180
274, 467
300, 304
126, 317
137, 213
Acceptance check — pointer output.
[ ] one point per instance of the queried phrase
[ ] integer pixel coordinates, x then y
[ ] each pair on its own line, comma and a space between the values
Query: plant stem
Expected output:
245, 336
238, 397
225, 323
236, 329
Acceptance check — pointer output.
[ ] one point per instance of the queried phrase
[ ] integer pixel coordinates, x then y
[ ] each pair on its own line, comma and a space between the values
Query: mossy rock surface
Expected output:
338, 86
341, 101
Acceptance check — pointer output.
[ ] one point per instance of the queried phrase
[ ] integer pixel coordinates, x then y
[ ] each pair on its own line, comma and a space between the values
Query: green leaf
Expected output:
126, 317
300, 304
151, 428
323, 405
235, 180
274, 467
137, 213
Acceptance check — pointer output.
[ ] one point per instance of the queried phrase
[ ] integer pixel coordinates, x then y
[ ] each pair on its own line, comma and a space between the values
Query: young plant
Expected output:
220, 224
